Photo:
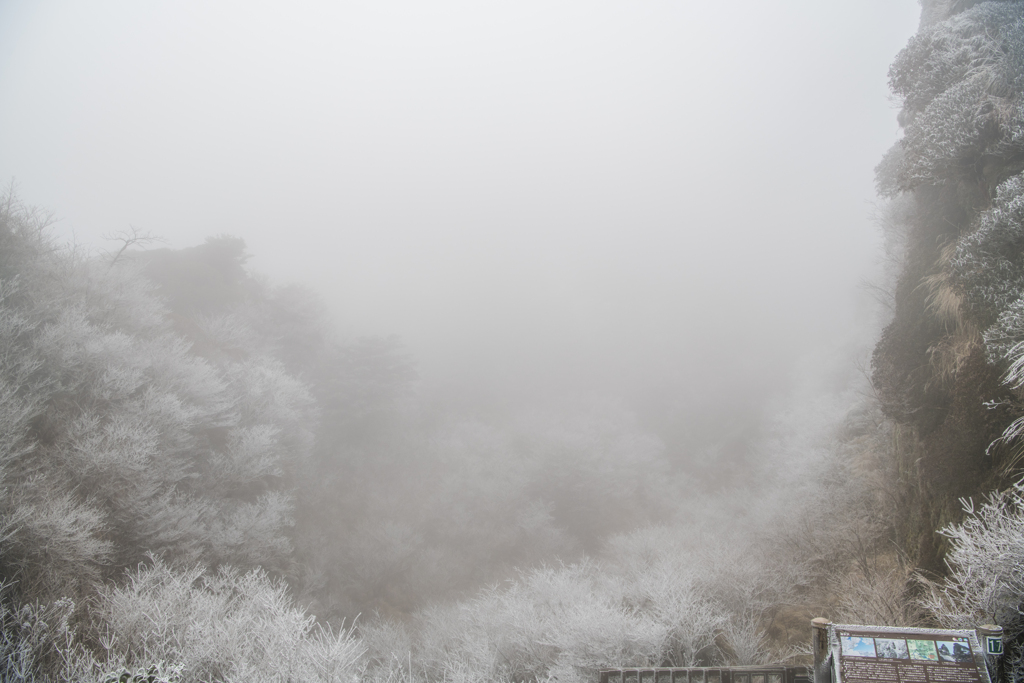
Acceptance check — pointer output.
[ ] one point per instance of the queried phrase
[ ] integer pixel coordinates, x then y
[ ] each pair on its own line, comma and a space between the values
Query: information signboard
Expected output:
872, 654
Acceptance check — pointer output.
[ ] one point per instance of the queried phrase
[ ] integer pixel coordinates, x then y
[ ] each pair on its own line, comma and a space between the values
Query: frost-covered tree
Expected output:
121, 439
960, 81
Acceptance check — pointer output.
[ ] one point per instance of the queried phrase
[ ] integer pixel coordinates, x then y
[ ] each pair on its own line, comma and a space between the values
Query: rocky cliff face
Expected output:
940, 366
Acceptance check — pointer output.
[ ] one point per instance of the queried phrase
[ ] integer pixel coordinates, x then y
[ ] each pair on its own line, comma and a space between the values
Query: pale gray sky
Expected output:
581, 191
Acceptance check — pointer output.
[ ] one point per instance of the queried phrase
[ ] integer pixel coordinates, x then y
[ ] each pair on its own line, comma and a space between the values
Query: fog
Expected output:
534, 336
503, 341
669, 201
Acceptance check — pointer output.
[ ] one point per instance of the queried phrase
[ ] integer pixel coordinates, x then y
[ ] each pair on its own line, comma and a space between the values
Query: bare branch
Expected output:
131, 238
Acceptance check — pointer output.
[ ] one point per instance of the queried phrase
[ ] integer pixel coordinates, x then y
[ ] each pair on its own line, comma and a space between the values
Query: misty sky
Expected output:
588, 193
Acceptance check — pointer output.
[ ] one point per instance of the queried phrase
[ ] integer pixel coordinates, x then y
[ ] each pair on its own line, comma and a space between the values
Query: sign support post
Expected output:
991, 638
820, 645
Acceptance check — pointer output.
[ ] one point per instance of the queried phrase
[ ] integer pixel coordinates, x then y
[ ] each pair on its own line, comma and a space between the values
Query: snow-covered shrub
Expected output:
227, 625
388, 651
885, 595
986, 262
563, 622
746, 583
33, 638
985, 584
659, 580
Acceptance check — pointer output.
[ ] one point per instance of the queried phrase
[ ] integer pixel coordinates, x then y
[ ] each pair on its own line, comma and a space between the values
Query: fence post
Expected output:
990, 637
820, 646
